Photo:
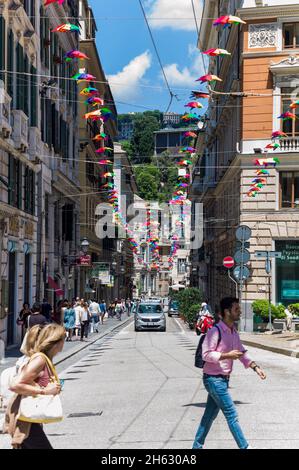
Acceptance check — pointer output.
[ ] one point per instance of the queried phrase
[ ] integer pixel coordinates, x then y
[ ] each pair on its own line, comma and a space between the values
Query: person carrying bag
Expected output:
37, 390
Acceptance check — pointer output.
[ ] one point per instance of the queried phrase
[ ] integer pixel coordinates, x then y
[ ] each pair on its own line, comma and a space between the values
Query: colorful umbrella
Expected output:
199, 94
89, 91
74, 54
208, 78
217, 52
81, 77
193, 105
227, 20
66, 28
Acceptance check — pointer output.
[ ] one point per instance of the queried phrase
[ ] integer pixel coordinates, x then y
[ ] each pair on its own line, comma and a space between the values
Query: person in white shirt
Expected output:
94, 311
289, 318
84, 320
77, 308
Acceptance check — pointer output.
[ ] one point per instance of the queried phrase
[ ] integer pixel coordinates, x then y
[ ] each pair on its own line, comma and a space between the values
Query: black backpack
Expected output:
199, 362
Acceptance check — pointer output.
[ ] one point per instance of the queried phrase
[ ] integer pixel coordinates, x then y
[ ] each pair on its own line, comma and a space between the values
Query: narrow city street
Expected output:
141, 391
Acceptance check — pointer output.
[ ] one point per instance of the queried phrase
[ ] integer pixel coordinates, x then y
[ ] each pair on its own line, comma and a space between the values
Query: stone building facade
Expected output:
263, 67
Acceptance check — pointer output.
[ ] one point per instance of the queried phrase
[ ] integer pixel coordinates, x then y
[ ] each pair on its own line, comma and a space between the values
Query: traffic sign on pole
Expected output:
242, 256
243, 233
228, 262
241, 273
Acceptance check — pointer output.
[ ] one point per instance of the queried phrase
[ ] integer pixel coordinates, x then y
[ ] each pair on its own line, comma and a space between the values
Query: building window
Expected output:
181, 266
2, 48
47, 215
29, 191
15, 182
289, 190
291, 35
290, 126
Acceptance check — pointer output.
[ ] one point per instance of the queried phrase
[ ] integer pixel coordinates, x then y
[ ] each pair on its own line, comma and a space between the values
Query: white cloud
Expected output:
174, 14
125, 84
187, 76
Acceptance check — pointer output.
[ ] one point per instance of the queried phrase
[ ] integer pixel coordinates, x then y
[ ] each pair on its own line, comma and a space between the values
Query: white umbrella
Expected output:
177, 286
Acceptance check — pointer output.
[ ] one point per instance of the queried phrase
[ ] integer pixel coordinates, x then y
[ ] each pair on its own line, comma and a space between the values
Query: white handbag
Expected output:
42, 408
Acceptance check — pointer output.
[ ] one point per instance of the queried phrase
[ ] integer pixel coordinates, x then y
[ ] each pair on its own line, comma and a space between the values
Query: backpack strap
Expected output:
219, 338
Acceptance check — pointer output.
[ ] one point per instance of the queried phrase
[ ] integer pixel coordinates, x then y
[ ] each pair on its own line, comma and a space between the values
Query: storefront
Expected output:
287, 272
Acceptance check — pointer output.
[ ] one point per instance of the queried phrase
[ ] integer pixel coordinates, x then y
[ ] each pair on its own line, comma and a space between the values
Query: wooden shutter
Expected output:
33, 97
10, 64
26, 85
2, 48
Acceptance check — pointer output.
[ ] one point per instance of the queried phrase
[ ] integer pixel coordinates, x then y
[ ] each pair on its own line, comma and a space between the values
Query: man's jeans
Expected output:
94, 323
219, 399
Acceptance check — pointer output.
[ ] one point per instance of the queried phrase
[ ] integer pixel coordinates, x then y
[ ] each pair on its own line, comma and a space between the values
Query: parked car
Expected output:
173, 308
150, 315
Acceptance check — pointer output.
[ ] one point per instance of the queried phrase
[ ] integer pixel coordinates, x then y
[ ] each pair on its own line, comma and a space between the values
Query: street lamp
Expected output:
85, 245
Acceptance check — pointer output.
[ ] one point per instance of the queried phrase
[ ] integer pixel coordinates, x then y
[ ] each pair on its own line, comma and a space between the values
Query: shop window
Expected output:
291, 35
289, 190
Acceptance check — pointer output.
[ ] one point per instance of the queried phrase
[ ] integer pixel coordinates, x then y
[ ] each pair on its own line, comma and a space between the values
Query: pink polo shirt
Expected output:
230, 340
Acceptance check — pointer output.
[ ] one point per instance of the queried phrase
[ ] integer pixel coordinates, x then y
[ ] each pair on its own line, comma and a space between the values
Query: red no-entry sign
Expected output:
228, 262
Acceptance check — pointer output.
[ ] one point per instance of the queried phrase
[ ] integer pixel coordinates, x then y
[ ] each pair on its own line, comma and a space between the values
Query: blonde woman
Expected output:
35, 379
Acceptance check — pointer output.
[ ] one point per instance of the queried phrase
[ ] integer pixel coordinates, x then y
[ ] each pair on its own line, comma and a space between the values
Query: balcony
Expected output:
5, 127
35, 143
20, 130
289, 144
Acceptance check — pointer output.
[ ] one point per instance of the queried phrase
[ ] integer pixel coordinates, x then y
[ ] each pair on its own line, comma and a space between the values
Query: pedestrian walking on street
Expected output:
77, 308
111, 310
118, 310
23, 318
103, 310
220, 348
36, 317
128, 306
33, 380
84, 321
289, 319
94, 312
46, 310
69, 321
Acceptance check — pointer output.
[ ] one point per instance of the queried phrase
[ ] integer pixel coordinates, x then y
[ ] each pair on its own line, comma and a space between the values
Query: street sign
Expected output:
241, 246
242, 256
241, 273
266, 254
243, 233
228, 262
85, 260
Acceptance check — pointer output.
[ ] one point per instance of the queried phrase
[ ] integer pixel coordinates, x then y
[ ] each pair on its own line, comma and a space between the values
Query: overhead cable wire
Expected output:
172, 95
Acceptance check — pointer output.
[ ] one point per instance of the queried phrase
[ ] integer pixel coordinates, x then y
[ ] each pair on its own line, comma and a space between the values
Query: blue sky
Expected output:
128, 56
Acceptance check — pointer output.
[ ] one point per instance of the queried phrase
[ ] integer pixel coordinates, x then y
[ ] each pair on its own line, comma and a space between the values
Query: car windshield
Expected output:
174, 304
149, 308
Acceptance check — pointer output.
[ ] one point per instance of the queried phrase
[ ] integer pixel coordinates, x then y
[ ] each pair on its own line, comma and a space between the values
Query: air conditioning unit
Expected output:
20, 130
35, 143
5, 126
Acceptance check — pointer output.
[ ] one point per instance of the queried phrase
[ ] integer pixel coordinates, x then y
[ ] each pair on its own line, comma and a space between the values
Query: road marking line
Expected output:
183, 332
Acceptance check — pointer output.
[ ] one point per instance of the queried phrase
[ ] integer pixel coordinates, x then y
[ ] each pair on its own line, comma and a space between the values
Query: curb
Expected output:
286, 352
86, 345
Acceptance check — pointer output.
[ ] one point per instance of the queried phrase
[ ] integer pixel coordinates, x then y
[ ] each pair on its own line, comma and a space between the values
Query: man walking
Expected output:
103, 310
219, 357
94, 311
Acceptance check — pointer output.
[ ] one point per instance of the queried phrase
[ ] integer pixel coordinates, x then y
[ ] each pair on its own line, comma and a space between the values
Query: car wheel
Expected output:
136, 329
170, 315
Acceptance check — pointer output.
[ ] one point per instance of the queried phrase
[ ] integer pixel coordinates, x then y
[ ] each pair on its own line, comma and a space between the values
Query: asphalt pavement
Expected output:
133, 390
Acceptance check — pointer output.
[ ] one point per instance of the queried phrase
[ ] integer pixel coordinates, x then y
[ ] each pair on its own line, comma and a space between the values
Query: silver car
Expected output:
150, 315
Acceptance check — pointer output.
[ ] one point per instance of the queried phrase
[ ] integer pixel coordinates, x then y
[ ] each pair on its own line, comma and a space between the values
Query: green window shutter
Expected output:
19, 173
26, 85
20, 83
11, 180
32, 192
2, 48
10, 64
33, 97
42, 35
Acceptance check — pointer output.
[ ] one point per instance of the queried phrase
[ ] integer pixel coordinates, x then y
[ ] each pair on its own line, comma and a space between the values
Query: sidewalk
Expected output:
70, 348
286, 343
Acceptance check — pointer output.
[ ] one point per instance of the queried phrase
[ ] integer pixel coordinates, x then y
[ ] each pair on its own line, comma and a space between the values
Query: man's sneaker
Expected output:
249, 447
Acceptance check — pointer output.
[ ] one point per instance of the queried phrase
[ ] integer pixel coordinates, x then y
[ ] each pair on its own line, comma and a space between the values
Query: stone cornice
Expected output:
268, 12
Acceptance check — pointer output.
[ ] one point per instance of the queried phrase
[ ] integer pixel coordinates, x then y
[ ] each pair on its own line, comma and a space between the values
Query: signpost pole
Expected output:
232, 279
